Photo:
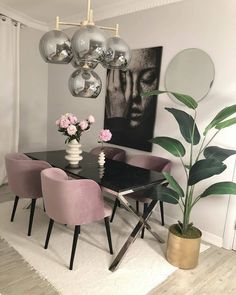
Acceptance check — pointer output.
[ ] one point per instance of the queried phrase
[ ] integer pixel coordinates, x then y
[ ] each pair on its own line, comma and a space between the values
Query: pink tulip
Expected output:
83, 125
105, 135
91, 119
71, 130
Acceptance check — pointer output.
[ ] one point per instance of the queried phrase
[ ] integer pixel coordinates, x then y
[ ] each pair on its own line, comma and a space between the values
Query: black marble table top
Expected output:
116, 176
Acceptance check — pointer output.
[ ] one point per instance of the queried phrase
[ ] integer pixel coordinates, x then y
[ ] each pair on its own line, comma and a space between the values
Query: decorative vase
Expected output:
73, 153
101, 171
101, 158
183, 252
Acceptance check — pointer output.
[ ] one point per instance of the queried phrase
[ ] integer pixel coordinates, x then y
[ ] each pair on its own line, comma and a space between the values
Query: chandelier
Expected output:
88, 46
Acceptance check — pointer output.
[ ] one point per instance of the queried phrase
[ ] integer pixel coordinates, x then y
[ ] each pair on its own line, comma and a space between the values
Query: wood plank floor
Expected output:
215, 274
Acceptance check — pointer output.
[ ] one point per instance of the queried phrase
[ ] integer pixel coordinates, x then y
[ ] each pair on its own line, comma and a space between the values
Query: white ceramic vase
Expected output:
73, 153
101, 158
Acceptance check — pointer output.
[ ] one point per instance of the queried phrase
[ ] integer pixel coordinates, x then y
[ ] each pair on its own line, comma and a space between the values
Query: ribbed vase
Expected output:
73, 153
101, 158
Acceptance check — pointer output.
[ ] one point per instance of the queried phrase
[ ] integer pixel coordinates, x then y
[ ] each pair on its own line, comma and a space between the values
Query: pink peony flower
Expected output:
105, 135
57, 122
64, 122
83, 125
71, 130
91, 119
73, 119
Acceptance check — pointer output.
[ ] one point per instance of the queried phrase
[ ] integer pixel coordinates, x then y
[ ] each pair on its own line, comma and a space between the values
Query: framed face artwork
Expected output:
129, 116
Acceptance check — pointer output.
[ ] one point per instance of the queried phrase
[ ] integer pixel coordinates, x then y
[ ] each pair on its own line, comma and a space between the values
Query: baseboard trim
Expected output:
206, 236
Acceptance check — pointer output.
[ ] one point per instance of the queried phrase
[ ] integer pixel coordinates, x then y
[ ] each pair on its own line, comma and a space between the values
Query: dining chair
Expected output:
24, 180
150, 162
73, 202
112, 153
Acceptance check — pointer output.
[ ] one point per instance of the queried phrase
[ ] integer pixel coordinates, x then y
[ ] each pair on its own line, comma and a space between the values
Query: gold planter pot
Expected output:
183, 252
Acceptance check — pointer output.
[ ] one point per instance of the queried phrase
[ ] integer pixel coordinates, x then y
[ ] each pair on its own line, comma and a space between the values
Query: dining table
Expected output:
117, 178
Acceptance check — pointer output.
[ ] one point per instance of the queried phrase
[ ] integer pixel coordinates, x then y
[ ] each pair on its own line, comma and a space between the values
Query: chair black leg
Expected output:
137, 206
145, 205
162, 213
44, 207
107, 224
31, 216
50, 225
117, 202
14, 208
76, 234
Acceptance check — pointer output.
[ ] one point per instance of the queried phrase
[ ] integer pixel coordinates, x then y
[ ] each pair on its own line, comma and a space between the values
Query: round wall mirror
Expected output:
191, 72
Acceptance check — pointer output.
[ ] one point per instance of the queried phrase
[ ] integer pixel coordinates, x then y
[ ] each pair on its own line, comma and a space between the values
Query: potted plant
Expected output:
200, 160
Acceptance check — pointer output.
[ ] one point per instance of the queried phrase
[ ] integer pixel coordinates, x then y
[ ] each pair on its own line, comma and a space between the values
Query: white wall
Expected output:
205, 24
33, 93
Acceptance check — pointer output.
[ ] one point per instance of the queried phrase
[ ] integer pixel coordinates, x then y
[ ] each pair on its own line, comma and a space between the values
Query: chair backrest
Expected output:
24, 175
158, 164
69, 201
110, 153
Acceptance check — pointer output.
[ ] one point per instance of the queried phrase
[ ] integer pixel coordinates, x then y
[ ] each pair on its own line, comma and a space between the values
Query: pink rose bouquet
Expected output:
69, 125
104, 136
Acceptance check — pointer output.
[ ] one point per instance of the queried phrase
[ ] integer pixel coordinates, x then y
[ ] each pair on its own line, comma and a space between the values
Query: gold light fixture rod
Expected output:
57, 23
70, 24
88, 10
91, 22
117, 30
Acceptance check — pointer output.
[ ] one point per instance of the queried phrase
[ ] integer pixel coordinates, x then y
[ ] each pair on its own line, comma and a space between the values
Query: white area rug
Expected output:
142, 269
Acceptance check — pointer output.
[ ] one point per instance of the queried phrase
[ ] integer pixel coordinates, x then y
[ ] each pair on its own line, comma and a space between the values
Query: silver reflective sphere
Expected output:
85, 83
89, 43
55, 47
118, 54
83, 64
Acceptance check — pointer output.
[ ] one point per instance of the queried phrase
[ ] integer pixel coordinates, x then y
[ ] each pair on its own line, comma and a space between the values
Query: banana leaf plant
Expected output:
203, 160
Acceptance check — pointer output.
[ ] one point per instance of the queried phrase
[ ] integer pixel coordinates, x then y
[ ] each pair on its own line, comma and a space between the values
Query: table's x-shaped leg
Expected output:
142, 222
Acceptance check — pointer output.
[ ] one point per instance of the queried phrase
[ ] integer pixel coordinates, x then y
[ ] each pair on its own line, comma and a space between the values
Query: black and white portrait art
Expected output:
129, 116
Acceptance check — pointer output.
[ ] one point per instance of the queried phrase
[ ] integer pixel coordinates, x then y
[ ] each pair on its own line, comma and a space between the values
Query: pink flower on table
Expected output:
105, 135
71, 130
73, 119
64, 122
91, 119
83, 125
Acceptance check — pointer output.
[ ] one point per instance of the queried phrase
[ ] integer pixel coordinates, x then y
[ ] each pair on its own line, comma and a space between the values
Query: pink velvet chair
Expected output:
152, 163
110, 153
73, 202
24, 180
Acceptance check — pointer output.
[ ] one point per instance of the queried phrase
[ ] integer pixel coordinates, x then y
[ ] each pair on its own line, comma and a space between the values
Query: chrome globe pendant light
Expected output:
88, 46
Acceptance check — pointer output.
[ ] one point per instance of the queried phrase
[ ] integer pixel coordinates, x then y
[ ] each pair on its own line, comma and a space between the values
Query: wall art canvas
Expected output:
128, 115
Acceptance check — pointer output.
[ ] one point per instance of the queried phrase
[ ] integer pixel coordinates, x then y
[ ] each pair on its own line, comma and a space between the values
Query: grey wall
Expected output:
205, 24
33, 93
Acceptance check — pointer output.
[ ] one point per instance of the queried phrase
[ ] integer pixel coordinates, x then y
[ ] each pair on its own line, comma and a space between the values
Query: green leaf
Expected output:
172, 145
187, 127
165, 194
185, 99
220, 188
223, 114
174, 184
220, 154
226, 123
204, 169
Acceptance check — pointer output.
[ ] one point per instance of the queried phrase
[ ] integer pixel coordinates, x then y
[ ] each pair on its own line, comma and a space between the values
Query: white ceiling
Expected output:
43, 12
